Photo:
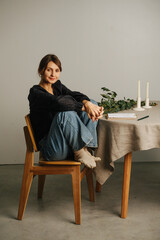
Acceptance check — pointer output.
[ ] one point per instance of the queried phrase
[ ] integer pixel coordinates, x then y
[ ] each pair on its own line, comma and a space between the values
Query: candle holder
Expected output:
147, 104
138, 108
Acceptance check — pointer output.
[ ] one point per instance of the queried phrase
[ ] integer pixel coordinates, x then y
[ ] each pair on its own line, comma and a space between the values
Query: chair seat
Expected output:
64, 162
67, 162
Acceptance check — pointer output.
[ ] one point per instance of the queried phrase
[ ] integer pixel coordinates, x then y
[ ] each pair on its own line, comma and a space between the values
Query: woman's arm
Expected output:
94, 112
40, 100
78, 96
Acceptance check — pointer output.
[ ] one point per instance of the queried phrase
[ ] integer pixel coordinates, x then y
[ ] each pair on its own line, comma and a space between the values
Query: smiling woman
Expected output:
64, 121
50, 76
49, 70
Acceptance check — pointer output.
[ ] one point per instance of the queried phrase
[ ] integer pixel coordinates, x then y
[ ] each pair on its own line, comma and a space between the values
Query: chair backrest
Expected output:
31, 133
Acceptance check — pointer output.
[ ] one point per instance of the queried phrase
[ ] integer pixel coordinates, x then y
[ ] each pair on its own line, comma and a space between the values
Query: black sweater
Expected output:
44, 106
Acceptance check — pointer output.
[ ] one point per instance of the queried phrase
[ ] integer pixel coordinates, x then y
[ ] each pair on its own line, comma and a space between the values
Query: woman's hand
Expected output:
94, 112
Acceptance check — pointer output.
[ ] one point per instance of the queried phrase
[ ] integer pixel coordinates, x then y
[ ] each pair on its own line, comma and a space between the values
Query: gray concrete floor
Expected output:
53, 216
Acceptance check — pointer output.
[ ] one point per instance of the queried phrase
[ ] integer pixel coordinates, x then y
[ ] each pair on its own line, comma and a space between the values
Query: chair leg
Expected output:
89, 177
26, 185
41, 181
76, 183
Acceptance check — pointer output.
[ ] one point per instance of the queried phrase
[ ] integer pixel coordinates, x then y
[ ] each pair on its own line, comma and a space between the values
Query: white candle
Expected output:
147, 90
139, 89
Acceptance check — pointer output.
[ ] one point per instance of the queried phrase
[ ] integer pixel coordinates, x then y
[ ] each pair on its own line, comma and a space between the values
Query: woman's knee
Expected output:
63, 116
66, 114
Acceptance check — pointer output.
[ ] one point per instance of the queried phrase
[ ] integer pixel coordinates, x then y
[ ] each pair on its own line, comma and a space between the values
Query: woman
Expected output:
64, 121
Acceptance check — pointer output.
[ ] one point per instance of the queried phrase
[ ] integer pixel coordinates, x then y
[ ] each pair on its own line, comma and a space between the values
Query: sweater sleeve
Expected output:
78, 96
41, 100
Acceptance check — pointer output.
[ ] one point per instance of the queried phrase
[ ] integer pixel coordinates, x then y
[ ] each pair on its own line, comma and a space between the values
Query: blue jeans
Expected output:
70, 131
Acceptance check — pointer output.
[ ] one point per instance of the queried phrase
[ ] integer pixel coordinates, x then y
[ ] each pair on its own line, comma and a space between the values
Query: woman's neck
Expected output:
46, 86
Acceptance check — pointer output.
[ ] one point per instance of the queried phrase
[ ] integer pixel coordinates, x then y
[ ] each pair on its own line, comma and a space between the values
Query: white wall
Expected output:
111, 43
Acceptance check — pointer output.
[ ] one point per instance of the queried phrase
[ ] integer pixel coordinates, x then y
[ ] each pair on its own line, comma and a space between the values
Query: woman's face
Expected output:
51, 74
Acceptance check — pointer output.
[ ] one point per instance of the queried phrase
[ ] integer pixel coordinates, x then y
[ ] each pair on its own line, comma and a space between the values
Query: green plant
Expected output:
110, 103
151, 103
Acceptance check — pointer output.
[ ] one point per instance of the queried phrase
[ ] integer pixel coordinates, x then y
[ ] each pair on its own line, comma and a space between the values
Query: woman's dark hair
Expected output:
45, 60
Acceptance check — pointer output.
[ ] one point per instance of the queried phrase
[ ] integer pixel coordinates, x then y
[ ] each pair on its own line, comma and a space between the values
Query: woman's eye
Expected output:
57, 70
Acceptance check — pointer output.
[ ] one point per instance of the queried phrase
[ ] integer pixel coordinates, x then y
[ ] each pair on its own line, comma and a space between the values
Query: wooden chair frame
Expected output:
51, 167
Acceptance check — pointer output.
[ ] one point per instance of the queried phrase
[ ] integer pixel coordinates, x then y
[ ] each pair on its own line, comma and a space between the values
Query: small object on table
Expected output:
143, 118
138, 108
122, 116
147, 97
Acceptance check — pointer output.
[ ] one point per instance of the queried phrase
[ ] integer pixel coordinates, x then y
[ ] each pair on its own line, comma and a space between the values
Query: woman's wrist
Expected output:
85, 102
83, 108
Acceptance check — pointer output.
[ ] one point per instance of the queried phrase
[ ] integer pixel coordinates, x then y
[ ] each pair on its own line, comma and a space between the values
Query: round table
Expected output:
118, 138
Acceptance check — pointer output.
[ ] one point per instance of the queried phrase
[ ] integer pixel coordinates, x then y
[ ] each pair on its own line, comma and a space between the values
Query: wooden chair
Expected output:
51, 167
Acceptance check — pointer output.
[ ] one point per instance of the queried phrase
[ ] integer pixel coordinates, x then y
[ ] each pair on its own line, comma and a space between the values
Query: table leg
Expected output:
126, 183
98, 187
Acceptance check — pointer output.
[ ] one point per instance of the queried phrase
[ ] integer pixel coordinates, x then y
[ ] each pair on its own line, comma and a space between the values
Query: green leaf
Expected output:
105, 96
114, 94
105, 89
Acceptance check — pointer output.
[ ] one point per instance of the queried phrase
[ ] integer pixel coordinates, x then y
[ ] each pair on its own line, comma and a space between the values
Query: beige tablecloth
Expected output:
116, 138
